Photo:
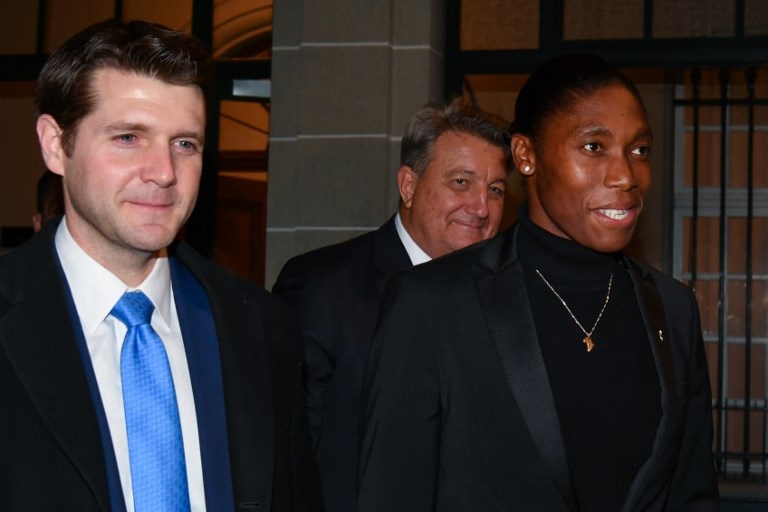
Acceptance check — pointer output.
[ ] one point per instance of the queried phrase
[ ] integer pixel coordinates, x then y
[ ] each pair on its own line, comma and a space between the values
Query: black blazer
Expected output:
50, 448
458, 410
336, 292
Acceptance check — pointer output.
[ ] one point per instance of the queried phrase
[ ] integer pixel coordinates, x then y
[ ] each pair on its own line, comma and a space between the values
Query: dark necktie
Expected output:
155, 445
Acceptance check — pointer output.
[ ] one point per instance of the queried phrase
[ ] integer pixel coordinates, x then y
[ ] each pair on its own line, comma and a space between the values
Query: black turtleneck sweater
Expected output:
608, 400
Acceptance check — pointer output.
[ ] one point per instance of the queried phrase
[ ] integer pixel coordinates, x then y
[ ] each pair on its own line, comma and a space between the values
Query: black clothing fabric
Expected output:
336, 292
605, 396
51, 452
459, 410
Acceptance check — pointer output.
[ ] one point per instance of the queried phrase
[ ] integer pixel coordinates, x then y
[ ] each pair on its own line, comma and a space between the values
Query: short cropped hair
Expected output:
558, 84
65, 85
433, 120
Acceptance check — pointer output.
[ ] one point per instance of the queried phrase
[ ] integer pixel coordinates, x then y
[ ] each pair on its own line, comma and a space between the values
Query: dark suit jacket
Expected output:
458, 410
50, 448
336, 292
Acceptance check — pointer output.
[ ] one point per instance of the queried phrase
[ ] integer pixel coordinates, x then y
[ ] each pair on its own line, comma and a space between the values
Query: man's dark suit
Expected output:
52, 457
336, 292
459, 414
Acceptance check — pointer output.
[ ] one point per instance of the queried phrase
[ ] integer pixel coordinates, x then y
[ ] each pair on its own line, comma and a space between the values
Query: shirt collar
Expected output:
95, 290
415, 253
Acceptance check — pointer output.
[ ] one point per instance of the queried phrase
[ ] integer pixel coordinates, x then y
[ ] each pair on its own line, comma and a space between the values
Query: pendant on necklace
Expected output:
588, 339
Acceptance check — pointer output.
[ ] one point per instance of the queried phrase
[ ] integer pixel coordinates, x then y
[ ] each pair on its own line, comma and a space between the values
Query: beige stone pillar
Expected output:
346, 77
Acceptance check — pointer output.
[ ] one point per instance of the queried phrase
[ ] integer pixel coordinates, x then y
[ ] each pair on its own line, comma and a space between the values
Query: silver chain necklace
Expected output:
588, 335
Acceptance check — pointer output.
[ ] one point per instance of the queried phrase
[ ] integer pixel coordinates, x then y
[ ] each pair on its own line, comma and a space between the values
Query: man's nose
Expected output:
478, 204
159, 167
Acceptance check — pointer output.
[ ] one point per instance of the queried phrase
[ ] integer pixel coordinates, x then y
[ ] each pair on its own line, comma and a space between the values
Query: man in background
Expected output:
455, 160
135, 374
50, 199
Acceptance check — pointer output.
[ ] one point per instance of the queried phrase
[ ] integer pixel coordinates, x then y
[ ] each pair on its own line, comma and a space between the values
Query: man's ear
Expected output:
37, 222
406, 184
522, 154
49, 135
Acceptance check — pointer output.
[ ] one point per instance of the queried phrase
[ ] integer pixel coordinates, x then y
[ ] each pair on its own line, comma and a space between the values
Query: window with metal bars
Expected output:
721, 249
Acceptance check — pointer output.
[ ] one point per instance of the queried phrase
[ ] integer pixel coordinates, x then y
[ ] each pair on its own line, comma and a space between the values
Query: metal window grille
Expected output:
721, 250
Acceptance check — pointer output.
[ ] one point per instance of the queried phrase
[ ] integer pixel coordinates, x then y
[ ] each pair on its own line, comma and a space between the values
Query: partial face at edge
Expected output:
590, 170
459, 199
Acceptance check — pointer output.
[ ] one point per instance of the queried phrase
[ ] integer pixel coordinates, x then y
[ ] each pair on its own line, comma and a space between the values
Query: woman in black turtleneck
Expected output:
602, 395
544, 369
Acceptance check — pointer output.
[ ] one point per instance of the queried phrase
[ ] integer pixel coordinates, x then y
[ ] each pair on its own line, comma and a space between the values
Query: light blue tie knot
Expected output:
155, 444
133, 308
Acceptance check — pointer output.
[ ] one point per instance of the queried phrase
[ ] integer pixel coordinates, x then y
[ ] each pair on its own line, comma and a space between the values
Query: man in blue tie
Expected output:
135, 374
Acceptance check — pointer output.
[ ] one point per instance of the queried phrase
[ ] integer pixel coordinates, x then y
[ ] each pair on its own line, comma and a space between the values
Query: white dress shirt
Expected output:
95, 291
415, 253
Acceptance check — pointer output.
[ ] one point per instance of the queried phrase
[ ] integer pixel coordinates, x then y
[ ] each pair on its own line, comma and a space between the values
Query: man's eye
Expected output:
126, 138
460, 181
187, 145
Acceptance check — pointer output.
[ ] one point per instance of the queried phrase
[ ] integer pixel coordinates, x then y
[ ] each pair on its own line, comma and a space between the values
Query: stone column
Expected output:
346, 77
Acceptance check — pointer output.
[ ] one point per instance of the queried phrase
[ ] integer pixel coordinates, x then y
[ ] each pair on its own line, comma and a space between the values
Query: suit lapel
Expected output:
389, 254
37, 335
246, 382
501, 290
653, 476
202, 349
513, 333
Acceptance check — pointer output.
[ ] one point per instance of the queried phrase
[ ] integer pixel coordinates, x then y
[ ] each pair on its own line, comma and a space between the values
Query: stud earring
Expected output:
527, 169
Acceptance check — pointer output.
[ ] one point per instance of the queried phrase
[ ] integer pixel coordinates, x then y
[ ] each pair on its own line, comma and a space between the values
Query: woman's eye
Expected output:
641, 150
592, 147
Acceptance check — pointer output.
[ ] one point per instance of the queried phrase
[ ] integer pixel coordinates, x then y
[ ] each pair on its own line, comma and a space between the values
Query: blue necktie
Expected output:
155, 445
